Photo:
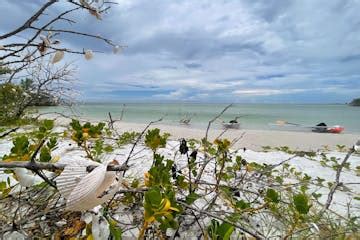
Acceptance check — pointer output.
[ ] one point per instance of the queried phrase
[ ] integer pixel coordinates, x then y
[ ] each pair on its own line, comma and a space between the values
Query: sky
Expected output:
251, 51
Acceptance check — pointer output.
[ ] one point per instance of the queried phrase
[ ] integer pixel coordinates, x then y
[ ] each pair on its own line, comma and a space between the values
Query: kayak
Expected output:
319, 129
335, 129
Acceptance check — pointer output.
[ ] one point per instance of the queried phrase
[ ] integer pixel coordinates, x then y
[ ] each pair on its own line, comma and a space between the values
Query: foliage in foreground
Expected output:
205, 190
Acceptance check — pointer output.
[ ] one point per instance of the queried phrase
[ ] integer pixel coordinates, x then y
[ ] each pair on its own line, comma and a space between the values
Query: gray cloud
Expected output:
220, 50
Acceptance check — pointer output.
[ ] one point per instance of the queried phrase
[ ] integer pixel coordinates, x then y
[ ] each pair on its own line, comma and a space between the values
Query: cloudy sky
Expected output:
218, 51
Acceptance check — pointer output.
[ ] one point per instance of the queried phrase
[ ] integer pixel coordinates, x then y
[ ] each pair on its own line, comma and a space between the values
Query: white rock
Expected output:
100, 228
13, 236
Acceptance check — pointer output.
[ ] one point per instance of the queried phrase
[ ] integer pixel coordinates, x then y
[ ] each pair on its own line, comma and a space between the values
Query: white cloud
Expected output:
227, 49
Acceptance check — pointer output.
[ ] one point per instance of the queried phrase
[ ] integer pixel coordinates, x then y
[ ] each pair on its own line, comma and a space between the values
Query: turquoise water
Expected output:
252, 116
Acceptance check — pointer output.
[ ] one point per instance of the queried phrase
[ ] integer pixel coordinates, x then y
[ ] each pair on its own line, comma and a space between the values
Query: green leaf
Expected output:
45, 155
154, 140
153, 197
220, 231
191, 198
225, 230
301, 203
52, 143
242, 204
21, 145
115, 231
2, 185
75, 124
48, 124
272, 196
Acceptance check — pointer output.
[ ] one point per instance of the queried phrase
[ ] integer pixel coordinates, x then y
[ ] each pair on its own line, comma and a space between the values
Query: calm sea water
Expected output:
252, 116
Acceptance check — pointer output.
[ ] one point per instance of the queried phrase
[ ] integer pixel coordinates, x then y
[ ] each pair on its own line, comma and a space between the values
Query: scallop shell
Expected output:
69, 178
88, 193
58, 56
88, 54
76, 161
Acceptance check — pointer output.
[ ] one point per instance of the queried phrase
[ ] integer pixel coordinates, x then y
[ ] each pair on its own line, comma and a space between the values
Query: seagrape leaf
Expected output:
225, 230
115, 231
21, 145
301, 203
191, 198
272, 196
45, 155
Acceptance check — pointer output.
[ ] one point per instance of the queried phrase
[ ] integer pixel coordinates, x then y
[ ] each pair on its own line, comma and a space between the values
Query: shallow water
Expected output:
252, 116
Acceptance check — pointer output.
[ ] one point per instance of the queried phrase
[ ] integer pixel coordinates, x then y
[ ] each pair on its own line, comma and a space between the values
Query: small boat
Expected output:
185, 121
326, 129
233, 124
319, 128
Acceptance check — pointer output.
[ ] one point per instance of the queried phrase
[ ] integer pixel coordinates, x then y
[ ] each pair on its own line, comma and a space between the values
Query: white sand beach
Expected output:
255, 139
243, 138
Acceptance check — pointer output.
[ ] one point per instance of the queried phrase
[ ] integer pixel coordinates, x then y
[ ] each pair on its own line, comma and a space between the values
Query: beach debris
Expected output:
83, 190
57, 57
88, 54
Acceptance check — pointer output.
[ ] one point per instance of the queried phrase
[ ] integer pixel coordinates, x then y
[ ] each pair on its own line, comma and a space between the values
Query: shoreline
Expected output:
254, 139
250, 139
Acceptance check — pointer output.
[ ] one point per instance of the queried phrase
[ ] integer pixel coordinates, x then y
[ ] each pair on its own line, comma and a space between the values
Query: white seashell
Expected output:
14, 236
58, 56
76, 161
69, 178
116, 49
25, 179
89, 192
87, 217
315, 227
357, 146
60, 223
88, 54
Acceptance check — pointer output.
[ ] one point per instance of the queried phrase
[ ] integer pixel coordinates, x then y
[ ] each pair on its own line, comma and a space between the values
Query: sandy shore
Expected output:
255, 139
251, 139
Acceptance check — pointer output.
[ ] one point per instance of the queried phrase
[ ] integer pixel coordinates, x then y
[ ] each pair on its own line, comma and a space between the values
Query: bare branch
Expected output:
28, 23
53, 166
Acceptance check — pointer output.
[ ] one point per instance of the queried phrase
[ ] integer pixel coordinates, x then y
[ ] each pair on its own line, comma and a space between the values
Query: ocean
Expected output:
252, 116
